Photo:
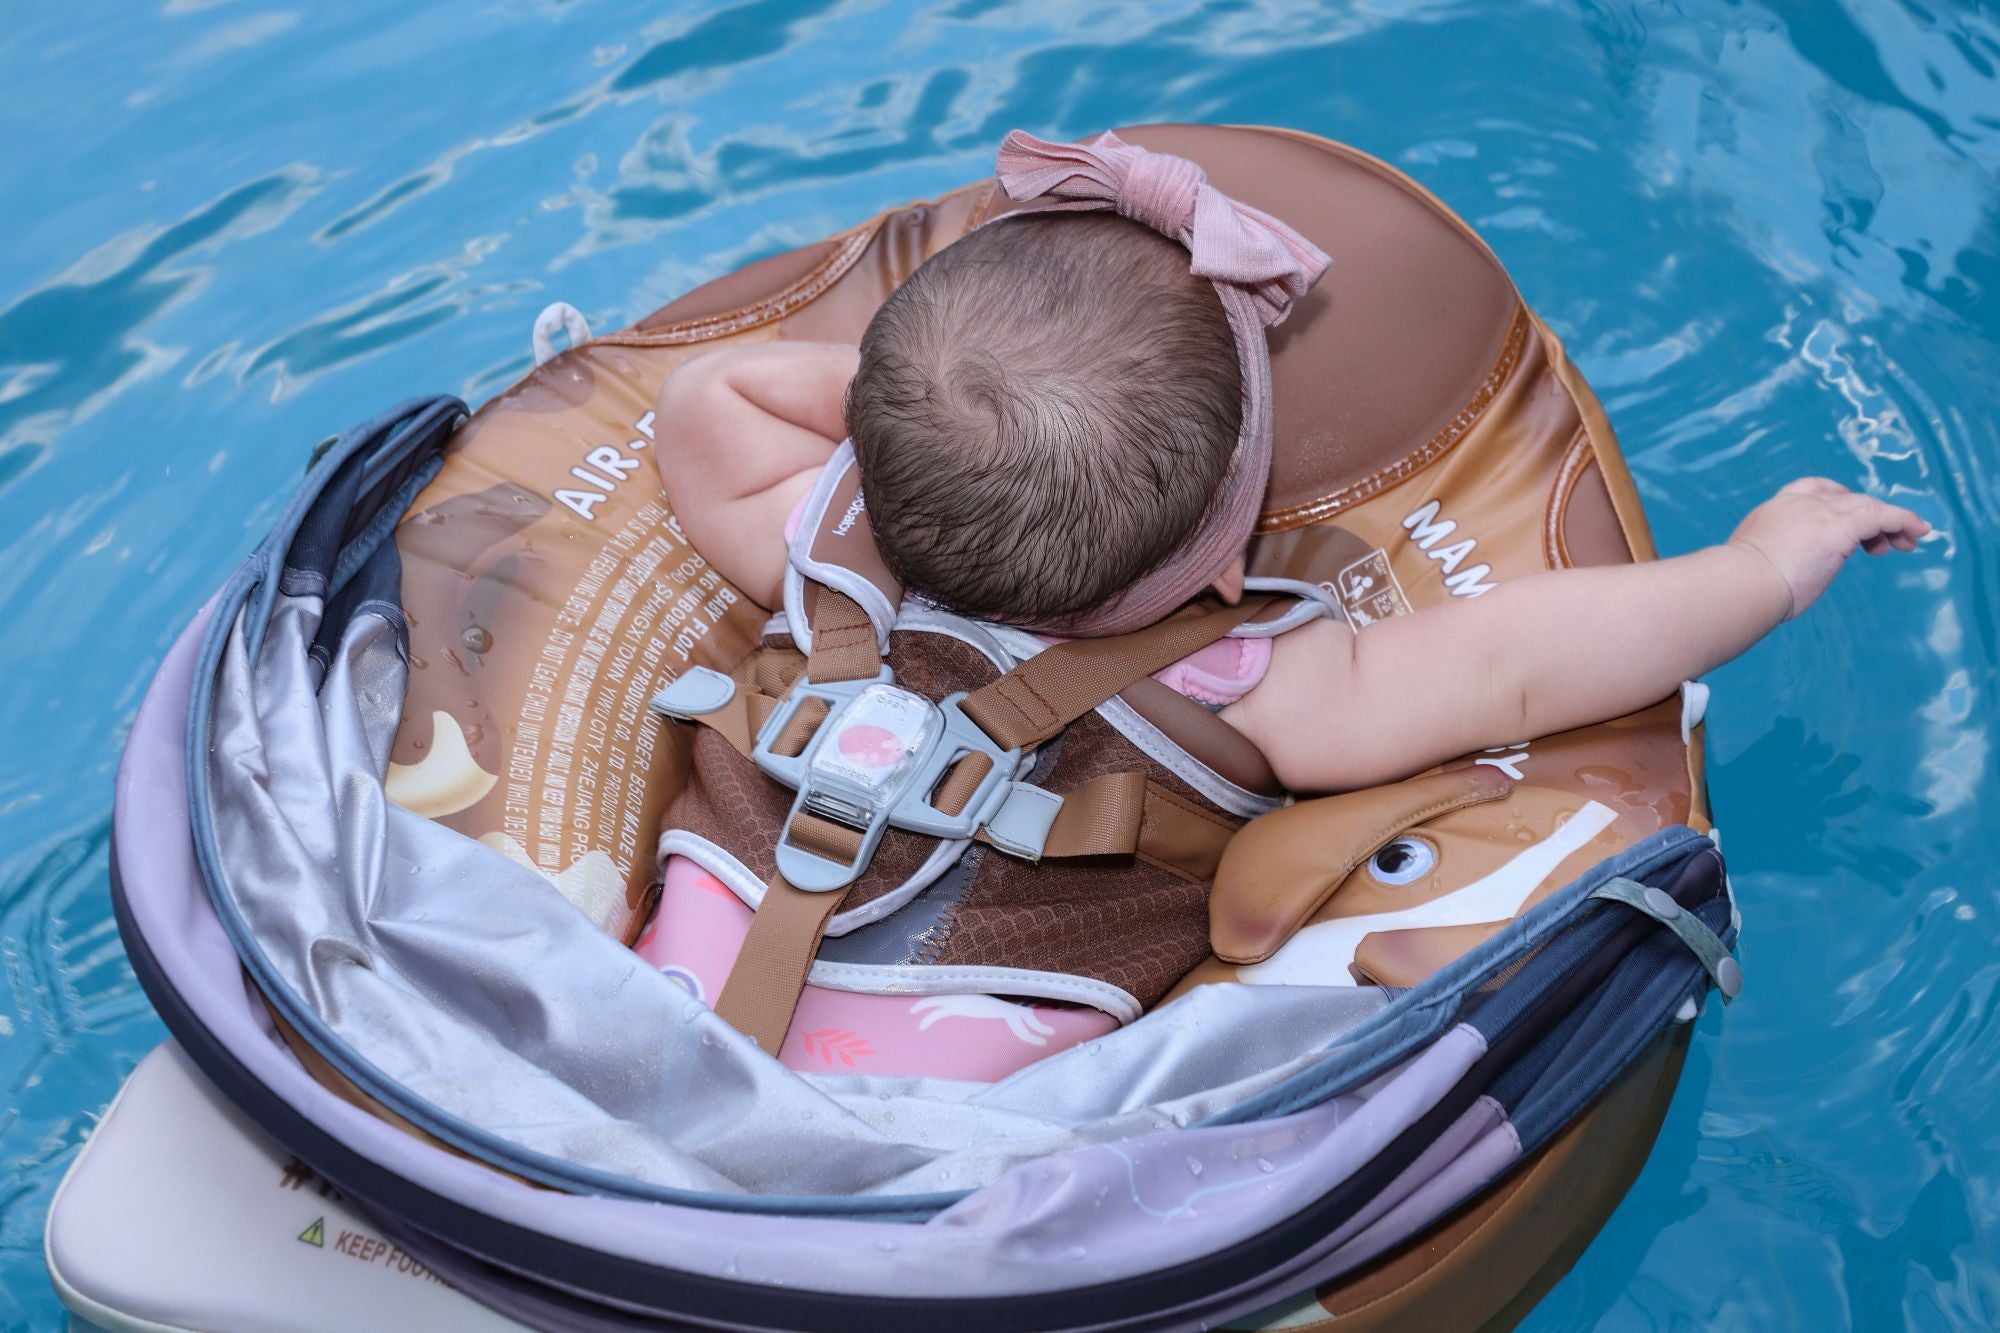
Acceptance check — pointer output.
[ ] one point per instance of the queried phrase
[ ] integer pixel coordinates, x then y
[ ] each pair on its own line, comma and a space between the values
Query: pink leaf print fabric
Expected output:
700, 924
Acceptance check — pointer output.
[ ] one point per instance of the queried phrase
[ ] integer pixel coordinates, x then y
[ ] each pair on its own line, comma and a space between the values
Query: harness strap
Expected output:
770, 969
961, 783
739, 720
1058, 685
843, 638
1128, 814
1117, 814
798, 730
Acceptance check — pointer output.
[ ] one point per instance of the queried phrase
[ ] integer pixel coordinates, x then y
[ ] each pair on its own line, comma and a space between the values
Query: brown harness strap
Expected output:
823, 838
799, 728
1100, 818
843, 639
1128, 814
844, 648
961, 783
1179, 836
770, 969
1058, 685
738, 720
1119, 813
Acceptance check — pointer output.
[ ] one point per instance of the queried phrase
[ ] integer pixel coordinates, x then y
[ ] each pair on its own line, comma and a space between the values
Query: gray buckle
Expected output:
906, 805
1020, 827
1702, 942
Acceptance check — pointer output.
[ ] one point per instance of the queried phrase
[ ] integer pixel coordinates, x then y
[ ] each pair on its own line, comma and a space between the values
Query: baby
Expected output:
1055, 423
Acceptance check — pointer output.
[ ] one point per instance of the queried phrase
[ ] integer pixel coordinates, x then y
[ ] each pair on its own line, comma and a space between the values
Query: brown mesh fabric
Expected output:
935, 665
1115, 918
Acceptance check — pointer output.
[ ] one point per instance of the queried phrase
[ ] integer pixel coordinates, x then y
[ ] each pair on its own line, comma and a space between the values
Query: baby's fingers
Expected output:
1878, 526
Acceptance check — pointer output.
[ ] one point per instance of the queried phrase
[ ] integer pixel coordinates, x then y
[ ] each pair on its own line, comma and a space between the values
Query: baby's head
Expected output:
1043, 413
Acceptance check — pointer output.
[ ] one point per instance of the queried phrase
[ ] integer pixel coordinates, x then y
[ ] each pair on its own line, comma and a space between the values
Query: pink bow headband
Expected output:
1259, 267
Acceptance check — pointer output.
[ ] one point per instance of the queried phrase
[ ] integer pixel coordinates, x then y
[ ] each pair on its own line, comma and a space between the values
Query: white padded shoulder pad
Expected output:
834, 547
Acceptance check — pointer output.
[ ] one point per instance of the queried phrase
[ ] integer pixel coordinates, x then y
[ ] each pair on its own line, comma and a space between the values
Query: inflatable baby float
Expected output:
1471, 988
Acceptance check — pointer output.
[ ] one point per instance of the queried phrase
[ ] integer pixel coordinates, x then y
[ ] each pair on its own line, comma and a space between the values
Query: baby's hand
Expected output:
1807, 529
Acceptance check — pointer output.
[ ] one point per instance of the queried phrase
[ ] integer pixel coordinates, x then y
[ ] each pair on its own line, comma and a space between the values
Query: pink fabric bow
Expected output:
1259, 267
1227, 241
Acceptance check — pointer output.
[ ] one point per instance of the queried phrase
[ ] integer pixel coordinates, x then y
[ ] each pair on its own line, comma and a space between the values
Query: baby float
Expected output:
385, 828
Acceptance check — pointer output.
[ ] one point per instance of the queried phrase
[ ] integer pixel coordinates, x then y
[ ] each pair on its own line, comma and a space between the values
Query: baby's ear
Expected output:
1229, 585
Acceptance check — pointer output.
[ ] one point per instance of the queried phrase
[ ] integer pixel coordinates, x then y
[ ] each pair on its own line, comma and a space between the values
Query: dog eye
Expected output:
1403, 861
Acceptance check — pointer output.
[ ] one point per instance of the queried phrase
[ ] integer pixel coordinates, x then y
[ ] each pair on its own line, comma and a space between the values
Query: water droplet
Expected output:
692, 1012
1180, 1119
1264, 1165
1093, 1048
1194, 1166
476, 639
886, 1246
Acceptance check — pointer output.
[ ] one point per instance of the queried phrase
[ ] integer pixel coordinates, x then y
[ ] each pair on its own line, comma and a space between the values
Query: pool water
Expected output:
1768, 232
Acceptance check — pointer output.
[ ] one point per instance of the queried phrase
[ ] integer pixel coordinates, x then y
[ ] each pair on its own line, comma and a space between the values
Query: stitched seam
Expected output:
776, 306
1006, 980
1375, 840
1003, 692
1167, 752
1575, 459
979, 213
1389, 828
1036, 694
1172, 868
1185, 870
1180, 802
714, 860
1326, 506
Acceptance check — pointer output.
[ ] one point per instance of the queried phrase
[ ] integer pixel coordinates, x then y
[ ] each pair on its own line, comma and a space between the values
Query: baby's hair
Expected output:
1042, 414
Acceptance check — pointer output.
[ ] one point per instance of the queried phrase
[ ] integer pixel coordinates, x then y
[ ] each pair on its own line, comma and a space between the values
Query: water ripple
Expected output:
1769, 233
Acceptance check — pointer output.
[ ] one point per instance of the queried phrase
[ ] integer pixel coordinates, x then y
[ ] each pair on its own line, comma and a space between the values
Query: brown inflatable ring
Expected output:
1432, 439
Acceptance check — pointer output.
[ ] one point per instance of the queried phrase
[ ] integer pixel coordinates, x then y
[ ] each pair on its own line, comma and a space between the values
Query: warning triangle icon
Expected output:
316, 1233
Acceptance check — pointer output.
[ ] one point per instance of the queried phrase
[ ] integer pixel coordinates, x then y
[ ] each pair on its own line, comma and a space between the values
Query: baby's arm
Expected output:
742, 433
1551, 651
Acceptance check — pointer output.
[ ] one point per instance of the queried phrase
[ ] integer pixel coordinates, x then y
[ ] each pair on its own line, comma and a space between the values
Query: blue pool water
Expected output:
1768, 232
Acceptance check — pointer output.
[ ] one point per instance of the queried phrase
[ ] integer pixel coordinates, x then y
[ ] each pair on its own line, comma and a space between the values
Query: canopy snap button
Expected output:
1729, 977
1661, 904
